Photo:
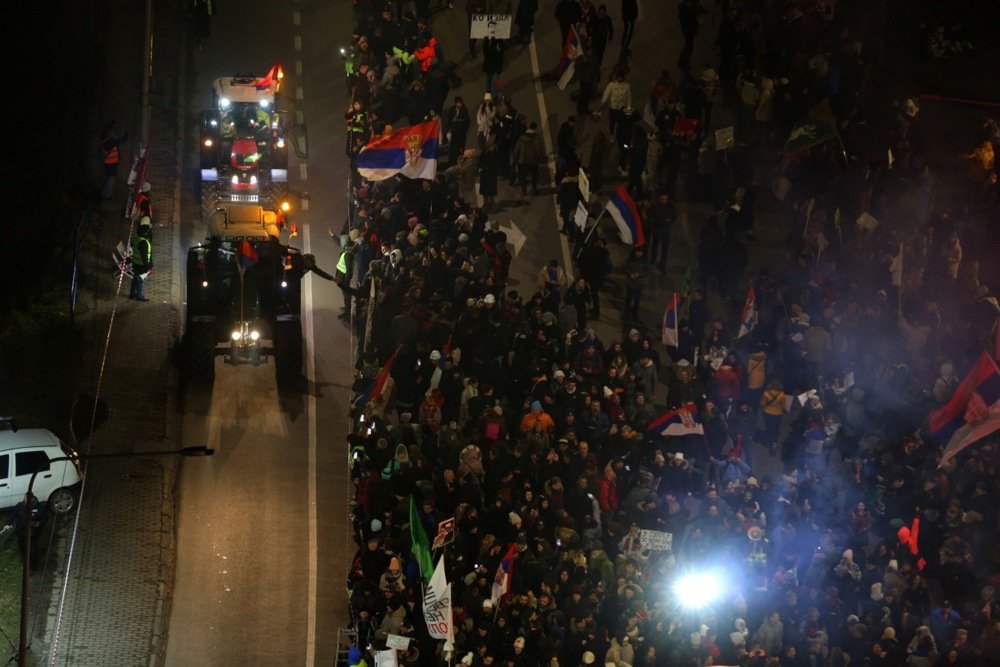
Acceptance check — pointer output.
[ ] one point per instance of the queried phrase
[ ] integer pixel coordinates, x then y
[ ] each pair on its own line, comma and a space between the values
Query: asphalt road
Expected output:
263, 541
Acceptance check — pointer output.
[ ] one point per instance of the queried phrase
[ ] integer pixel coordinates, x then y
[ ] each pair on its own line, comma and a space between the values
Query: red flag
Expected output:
505, 571
274, 75
248, 255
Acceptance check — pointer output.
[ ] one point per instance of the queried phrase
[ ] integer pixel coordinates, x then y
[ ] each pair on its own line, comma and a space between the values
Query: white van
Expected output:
27, 450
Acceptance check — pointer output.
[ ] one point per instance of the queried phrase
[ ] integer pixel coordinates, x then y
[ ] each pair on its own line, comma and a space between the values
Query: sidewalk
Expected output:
117, 569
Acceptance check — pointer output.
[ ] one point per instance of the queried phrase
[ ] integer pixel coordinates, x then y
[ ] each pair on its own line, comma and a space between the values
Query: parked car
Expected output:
26, 451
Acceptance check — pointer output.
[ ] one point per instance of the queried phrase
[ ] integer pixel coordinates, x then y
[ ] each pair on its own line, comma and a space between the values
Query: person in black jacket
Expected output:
457, 123
601, 31
630, 13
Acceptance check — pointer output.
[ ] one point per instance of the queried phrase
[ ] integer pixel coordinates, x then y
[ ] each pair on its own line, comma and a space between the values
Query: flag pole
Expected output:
596, 222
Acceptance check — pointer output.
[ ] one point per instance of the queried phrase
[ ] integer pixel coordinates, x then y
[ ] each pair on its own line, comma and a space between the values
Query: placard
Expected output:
397, 641
724, 138
583, 182
496, 26
445, 534
656, 540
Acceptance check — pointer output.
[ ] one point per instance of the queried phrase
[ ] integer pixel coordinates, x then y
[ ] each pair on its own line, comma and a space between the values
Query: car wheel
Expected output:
62, 501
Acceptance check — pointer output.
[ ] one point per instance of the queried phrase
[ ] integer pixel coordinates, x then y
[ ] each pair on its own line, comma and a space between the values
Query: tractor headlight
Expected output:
284, 284
253, 180
224, 102
255, 336
236, 335
264, 104
281, 142
204, 283
236, 180
213, 123
208, 142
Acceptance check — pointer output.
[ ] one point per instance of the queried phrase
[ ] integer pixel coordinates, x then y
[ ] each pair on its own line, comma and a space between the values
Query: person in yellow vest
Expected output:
142, 258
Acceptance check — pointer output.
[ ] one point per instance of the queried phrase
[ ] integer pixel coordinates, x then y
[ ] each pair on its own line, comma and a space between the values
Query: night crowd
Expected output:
814, 493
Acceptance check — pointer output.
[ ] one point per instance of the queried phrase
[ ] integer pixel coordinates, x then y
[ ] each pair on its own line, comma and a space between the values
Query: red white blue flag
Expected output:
505, 570
379, 384
410, 151
571, 50
671, 335
748, 319
626, 216
973, 411
683, 420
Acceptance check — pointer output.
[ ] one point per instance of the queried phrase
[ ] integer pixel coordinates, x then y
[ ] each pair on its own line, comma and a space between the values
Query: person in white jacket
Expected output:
617, 96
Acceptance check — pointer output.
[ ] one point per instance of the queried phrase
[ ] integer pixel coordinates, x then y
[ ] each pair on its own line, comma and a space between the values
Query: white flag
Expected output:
437, 605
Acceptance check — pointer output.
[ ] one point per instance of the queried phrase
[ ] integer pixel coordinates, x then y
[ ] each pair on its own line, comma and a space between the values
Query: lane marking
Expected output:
308, 334
296, 18
299, 95
304, 203
303, 173
298, 68
298, 43
543, 119
299, 117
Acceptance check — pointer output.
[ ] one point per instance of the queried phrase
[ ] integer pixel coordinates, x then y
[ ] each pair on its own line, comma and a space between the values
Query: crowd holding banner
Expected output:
570, 481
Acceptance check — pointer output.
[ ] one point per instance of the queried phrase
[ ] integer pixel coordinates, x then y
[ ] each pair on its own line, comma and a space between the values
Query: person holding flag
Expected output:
571, 50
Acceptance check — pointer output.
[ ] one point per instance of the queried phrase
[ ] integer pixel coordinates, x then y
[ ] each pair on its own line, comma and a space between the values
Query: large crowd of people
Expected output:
804, 480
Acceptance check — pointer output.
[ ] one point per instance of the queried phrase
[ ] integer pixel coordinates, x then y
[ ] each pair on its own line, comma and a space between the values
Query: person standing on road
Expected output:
580, 296
485, 117
143, 203
630, 14
601, 31
660, 221
588, 74
142, 258
636, 272
493, 63
345, 271
458, 123
528, 154
595, 265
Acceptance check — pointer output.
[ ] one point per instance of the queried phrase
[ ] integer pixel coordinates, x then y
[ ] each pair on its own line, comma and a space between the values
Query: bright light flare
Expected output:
697, 590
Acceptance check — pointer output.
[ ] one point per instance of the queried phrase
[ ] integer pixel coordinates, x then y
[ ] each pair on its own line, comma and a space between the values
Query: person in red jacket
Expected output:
607, 491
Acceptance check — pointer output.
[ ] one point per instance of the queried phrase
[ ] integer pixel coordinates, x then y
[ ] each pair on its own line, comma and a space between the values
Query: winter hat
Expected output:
487, 603
519, 642
435, 356
876, 592
752, 481
498, 410
737, 638
467, 660
376, 525
893, 565
514, 518
394, 565
889, 633
354, 656
536, 405
489, 298
608, 393
588, 657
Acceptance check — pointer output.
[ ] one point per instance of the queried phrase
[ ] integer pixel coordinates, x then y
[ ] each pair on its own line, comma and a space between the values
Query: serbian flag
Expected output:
626, 215
670, 334
973, 411
505, 570
683, 420
748, 319
379, 384
273, 76
247, 254
410, 151
571, 50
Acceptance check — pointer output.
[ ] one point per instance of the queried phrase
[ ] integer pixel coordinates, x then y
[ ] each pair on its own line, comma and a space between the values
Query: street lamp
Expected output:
22, 647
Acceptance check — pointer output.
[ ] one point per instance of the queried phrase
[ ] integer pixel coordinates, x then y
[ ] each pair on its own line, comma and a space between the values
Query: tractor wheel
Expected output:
288, 351
209, 199
199, 353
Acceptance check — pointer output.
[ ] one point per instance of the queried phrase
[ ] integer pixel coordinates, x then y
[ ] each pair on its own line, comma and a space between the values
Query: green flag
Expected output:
419, 545
816, 127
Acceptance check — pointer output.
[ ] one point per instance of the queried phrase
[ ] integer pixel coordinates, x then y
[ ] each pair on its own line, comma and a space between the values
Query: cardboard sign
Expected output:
496, 26
724, 138
584, 184
397, 641
656, 540
445, 534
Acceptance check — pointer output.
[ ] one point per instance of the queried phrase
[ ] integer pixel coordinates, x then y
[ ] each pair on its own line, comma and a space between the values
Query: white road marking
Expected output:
298, 68
303, 172
309, 336
543, 119
296, 18
304, 203
298, 44
299, 95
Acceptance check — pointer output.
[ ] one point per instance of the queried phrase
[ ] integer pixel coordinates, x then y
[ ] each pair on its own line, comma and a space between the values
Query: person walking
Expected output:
568, 13
457, 122
689, 12
618, 97
493, 63
111, 143
630, 14
142, 258
636, 272
601, 31
588, 75
525, 19
528, 154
